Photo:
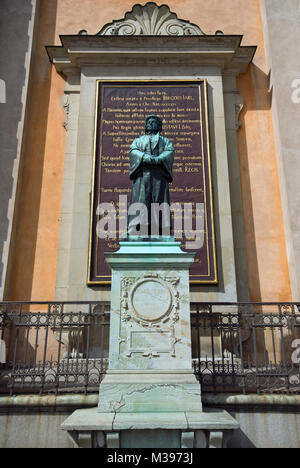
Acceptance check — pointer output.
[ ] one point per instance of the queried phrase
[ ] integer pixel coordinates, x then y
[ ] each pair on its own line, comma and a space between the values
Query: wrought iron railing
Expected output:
247, 348
54, 347
63, 347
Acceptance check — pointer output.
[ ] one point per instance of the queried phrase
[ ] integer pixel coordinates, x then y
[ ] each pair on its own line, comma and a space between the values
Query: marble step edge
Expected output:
92, 420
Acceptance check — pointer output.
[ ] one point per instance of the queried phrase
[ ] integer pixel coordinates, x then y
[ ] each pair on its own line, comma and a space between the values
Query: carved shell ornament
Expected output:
151, 20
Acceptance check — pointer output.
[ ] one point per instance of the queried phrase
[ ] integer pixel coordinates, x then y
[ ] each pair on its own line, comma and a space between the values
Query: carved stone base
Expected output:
149, 391
90, 429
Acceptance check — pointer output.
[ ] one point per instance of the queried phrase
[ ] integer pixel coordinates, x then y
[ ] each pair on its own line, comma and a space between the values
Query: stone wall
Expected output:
281, 22
34, 267
16, 34
265, 421
37, 216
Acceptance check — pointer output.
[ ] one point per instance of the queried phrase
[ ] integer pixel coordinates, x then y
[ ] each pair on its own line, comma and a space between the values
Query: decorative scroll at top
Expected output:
151, 20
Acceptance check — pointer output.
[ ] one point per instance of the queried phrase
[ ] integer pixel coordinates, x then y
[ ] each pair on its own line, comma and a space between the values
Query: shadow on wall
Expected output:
259, 95
255, 90
35, 126
240, 440
14, 23
254, 87
220, 287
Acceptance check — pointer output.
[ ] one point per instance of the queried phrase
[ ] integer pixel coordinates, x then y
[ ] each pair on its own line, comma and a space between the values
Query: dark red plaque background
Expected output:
122, 108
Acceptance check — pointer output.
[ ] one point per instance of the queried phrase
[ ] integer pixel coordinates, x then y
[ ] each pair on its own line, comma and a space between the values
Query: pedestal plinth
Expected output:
150, 396
150, 362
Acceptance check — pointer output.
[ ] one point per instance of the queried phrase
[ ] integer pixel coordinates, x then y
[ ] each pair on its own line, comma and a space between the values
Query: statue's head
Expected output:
153, 125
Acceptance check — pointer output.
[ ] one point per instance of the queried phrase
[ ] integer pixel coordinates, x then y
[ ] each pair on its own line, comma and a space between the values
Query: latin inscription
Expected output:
122, 109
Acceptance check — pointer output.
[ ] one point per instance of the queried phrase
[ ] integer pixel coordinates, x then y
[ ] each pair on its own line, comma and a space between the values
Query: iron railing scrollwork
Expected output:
54, 348
247, 348
63, 347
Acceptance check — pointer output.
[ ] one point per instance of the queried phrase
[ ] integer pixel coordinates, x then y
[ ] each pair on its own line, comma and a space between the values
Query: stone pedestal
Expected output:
150, 362
150, 396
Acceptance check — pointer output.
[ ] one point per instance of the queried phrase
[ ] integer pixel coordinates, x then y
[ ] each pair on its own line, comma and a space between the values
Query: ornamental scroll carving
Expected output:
65, 104
149, 313
151, 20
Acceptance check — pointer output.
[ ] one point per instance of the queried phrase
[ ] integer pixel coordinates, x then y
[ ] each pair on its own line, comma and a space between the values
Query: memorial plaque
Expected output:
121, 111
151, 300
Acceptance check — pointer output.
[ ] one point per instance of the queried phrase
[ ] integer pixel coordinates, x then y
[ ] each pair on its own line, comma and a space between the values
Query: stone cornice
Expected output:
26, 402
77, 51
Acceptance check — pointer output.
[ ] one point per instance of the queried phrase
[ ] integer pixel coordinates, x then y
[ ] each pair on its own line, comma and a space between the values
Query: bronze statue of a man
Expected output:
151, 162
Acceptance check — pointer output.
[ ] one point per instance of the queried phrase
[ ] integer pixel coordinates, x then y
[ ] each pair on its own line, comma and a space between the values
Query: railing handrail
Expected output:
205, 303
245, 303
53, 302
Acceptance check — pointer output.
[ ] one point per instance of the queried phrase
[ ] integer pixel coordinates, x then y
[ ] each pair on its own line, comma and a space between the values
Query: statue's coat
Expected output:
150, 182
141, 146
